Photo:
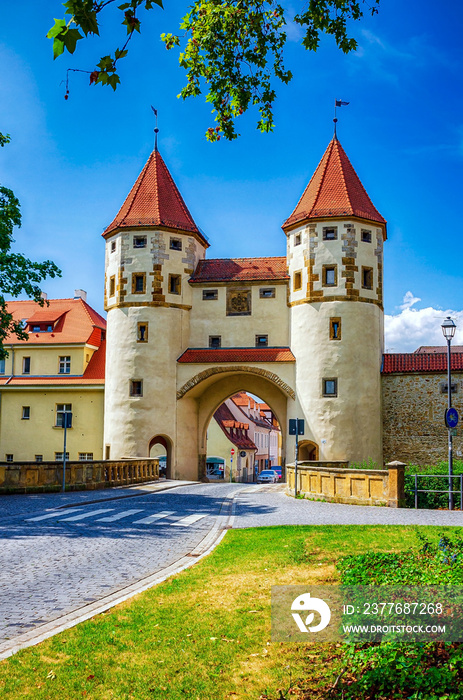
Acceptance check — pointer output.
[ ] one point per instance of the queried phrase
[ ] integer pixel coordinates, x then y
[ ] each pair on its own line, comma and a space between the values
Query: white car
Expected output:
267, 476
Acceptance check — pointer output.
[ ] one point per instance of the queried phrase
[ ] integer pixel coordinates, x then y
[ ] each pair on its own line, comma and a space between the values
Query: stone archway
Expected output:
166, 444
308, 451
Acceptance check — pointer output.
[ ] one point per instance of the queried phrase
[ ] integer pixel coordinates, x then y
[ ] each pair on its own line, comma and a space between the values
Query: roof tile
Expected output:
227, 269
395, 363
206, 355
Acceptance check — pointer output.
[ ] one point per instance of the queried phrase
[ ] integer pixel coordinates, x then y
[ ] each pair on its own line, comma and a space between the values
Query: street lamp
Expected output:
451, 416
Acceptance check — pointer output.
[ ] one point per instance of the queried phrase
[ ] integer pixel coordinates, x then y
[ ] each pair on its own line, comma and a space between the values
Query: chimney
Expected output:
44, 296
80, 294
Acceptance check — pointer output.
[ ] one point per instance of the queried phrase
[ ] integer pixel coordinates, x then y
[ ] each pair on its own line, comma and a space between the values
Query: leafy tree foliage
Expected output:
234, 47
18, 275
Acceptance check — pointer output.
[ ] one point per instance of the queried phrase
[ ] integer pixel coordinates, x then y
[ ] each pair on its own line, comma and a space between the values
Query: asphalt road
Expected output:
55, 559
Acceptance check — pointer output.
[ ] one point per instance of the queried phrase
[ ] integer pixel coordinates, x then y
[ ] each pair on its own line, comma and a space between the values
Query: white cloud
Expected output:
407, 330
409, 301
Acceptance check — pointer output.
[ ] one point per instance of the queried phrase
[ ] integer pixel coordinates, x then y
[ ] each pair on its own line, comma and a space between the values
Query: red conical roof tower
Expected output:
335, 191
155, 202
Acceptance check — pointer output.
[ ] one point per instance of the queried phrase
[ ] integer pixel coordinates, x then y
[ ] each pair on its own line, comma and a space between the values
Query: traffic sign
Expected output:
232, 451
451, 418
296, 426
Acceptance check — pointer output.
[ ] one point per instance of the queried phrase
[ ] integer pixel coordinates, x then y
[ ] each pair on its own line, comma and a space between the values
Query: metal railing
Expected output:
439, 476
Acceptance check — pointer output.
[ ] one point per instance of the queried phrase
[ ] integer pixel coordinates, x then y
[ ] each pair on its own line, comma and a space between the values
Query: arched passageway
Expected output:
308, 451
160, 446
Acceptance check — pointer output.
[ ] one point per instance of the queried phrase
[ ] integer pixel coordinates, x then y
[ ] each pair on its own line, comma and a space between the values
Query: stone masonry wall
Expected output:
413, 417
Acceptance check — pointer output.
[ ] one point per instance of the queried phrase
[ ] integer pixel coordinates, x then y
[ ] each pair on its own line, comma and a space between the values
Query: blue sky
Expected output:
72, 162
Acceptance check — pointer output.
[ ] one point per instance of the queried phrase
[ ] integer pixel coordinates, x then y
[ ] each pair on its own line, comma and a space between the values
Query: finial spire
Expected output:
156, 130
337, 103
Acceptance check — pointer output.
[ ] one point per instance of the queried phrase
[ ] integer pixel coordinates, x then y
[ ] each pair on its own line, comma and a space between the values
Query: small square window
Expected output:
2, 366
36, 329
9, 458
85, 456
59, 456
26, 365
139, 241
136, 387
367, 277
174, 284
261, 341
297, 239
297, 281
113, 246
175, 244
39, 458
215, 341
330, 233
444, 388
142, 332
335, 329
366, 236
65, 364
329, 275
112, 286
330, 387
210, 294
267, 292
26, 412
138, 283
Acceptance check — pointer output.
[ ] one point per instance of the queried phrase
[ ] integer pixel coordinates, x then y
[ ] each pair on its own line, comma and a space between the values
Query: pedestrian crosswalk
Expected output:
79, 515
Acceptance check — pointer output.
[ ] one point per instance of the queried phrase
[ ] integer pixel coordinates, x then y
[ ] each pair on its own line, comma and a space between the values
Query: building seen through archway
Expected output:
243, 438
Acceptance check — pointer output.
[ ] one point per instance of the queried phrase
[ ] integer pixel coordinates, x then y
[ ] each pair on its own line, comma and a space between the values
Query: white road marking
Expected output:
152, 518
119, 516
190, 519
56, 514
86, 515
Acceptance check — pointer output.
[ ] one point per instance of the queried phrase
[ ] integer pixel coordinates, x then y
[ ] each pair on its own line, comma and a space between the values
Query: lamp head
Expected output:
448, 328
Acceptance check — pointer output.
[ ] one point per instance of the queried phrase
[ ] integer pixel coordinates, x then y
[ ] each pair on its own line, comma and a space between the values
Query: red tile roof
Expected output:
420, 362
76, 323
224, 418
246, 269
334, 191
154, 200
206, 355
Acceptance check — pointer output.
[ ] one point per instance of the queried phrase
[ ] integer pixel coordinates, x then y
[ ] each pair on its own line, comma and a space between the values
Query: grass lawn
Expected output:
205, 633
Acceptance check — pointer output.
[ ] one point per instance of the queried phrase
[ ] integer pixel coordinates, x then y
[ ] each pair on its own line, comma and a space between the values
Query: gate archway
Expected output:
160, 446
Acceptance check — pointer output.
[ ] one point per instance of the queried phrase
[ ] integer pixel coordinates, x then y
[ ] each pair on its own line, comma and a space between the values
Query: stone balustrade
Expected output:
29, 477
335, 482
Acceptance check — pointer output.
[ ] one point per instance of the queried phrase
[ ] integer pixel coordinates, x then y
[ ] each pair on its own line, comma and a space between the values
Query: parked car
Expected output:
267, 476
278, 470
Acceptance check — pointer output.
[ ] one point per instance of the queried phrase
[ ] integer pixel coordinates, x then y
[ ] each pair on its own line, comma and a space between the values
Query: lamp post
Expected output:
448, 329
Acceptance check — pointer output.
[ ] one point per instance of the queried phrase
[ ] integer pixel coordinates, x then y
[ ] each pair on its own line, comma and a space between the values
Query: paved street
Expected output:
55, 560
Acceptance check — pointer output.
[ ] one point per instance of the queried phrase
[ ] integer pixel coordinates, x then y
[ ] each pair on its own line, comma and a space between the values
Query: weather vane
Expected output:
337, 103
156, 130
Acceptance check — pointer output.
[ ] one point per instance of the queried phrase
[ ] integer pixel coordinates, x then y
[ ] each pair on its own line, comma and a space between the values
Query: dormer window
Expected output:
139, 241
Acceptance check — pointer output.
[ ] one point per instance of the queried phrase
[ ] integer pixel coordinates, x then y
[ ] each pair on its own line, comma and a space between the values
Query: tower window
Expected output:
329, 275
261, 341
366, 236
330, 233
139, 241
210, 294
112, 286
330, 387
26, 412
136, 387
267, 292
26, 365
367, 277
297, 239
138, 283
174, 284
142, 332
335, 329
215, 341
175, 244
297, 281
113, 246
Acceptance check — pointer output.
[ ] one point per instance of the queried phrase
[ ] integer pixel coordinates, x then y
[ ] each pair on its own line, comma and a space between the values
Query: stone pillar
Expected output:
396, 484
202, 468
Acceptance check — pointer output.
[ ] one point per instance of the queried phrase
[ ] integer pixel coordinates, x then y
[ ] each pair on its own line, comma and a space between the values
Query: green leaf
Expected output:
70, 38
57, 28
